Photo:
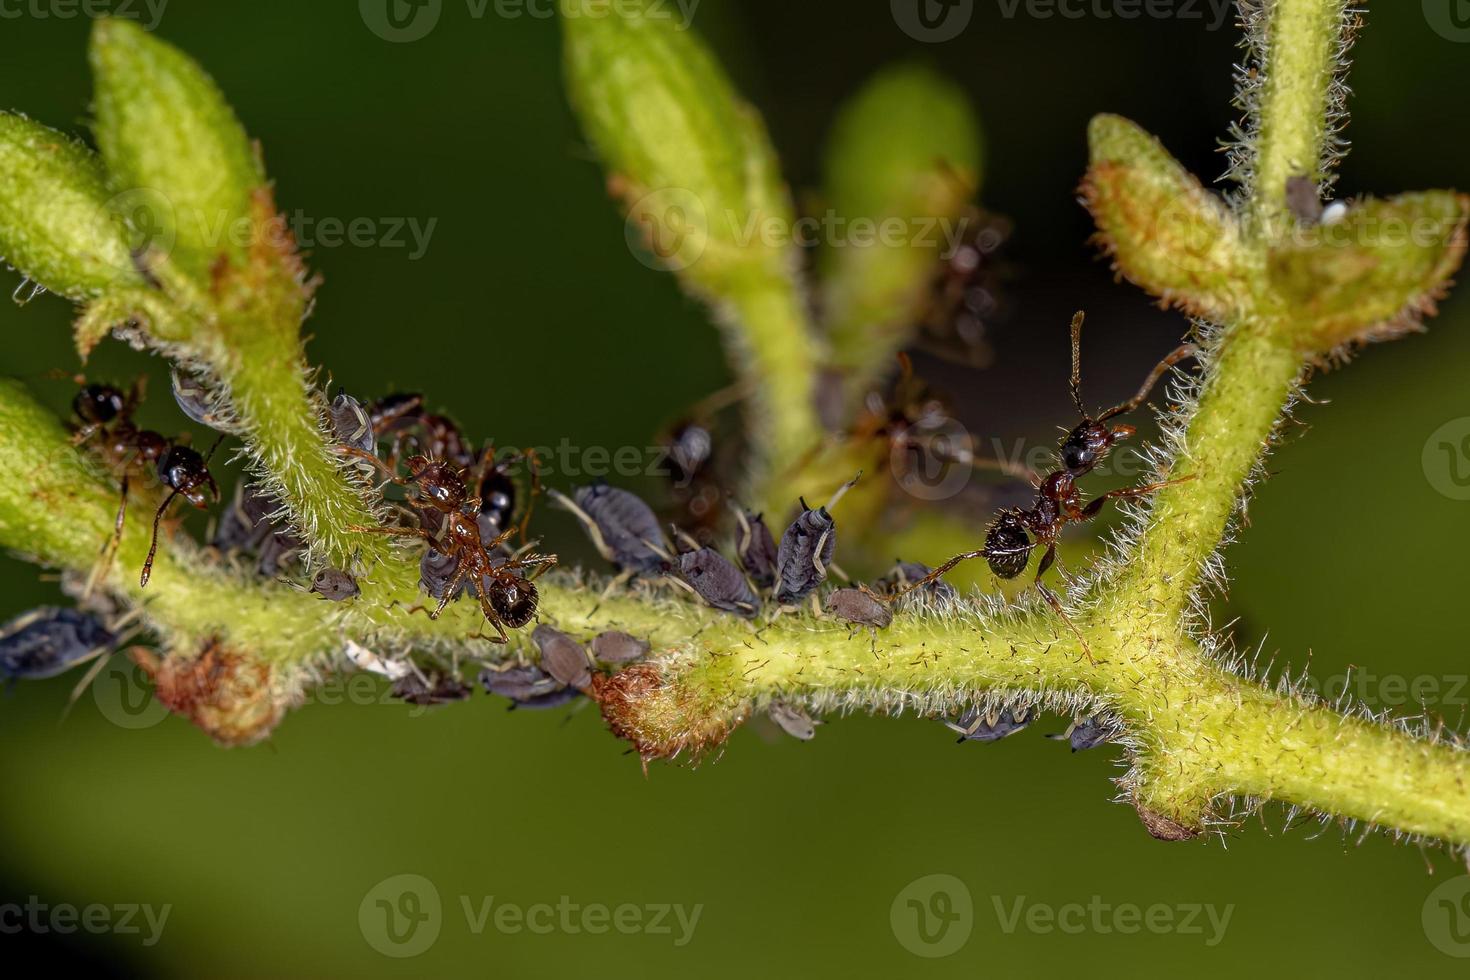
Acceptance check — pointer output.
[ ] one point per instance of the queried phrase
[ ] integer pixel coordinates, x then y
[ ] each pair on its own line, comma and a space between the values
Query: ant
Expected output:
505, 598
437, 437
1015, 532
104, 410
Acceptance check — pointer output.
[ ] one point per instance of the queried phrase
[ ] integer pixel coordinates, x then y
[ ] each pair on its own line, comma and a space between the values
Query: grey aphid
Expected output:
992, 726
1086, 733
859, 607
351, 425
718, 582
49, 641
806, 550
248, 525
1303, 199
756, 549
436, 569
906, 573
622, 527
335, 584
614, 647
793, 721
563, 657
527, 687
197, 401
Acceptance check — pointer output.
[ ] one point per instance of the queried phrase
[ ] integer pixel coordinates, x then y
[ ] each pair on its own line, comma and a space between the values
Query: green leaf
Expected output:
690, 159
169, 136
1373, 274
1163, 230
905, 157
56, 225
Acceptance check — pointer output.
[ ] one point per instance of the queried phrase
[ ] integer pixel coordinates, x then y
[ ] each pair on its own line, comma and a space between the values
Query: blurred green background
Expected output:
529, 318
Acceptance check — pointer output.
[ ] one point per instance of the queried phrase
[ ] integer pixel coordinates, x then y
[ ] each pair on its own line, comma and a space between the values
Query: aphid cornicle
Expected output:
49, 641
859, 607
615, 647
990, 726
623, 528
806, 550
718, 582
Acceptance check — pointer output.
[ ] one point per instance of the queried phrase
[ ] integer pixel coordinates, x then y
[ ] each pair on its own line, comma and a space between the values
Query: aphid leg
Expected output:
836, 569
938, 573
842, 490
451, 590
153, 547
816, 607
817, 554
593, 532
1181, 353
622, 579
1096, 506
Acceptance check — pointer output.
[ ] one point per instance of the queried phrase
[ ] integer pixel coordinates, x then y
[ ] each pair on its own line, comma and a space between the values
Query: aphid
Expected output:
1303, 199
498, 493
1086, 733
990, 726
718, 582
688, 450
351, 425
806, 550
563, 658
906, 573
1015, 532
756, 549
196, 400
528, 687
335, 585
860, 608
623, 529
364, 659
430, 691
614, 647
418, 432
49, 641
967, 297
436, 569
250, 524
506, 599
793, 721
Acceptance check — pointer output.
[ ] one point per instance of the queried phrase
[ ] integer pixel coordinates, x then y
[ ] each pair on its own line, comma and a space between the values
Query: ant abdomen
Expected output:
514, 600
1007, 545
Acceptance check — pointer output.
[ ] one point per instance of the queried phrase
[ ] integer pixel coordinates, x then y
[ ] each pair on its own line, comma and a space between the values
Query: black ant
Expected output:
403, 417
104, 410
505, 598
1015, 532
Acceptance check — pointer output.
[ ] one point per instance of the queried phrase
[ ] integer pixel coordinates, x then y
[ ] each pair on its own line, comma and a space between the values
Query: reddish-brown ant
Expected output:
505, 598
1015, 532
126, 449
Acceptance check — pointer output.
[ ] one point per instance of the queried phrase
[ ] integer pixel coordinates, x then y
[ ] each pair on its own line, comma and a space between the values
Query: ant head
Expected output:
98, 404
184, 470
514, 600
440, 485
1087, 445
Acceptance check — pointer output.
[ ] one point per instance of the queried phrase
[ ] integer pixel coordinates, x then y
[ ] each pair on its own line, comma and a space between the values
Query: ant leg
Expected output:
85, 433
397, 532
490, 615
534, 461
391, 472
450, 591
153, 548
1056, 605
1126, 493
1181, 353
939, 572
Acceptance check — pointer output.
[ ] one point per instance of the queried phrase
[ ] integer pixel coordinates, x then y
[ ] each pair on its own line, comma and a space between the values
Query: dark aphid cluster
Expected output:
251, 525
104, 419
527, 687
49, 641
1016, 532
804, 556
992, 725
623, 528
755, 546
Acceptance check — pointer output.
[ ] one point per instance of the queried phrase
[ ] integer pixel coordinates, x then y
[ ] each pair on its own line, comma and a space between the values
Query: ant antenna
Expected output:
1077, 363
1180, 353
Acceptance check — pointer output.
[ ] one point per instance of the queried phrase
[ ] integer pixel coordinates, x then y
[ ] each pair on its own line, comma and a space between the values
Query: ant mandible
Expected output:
507, 600
102, 409
1015, 532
